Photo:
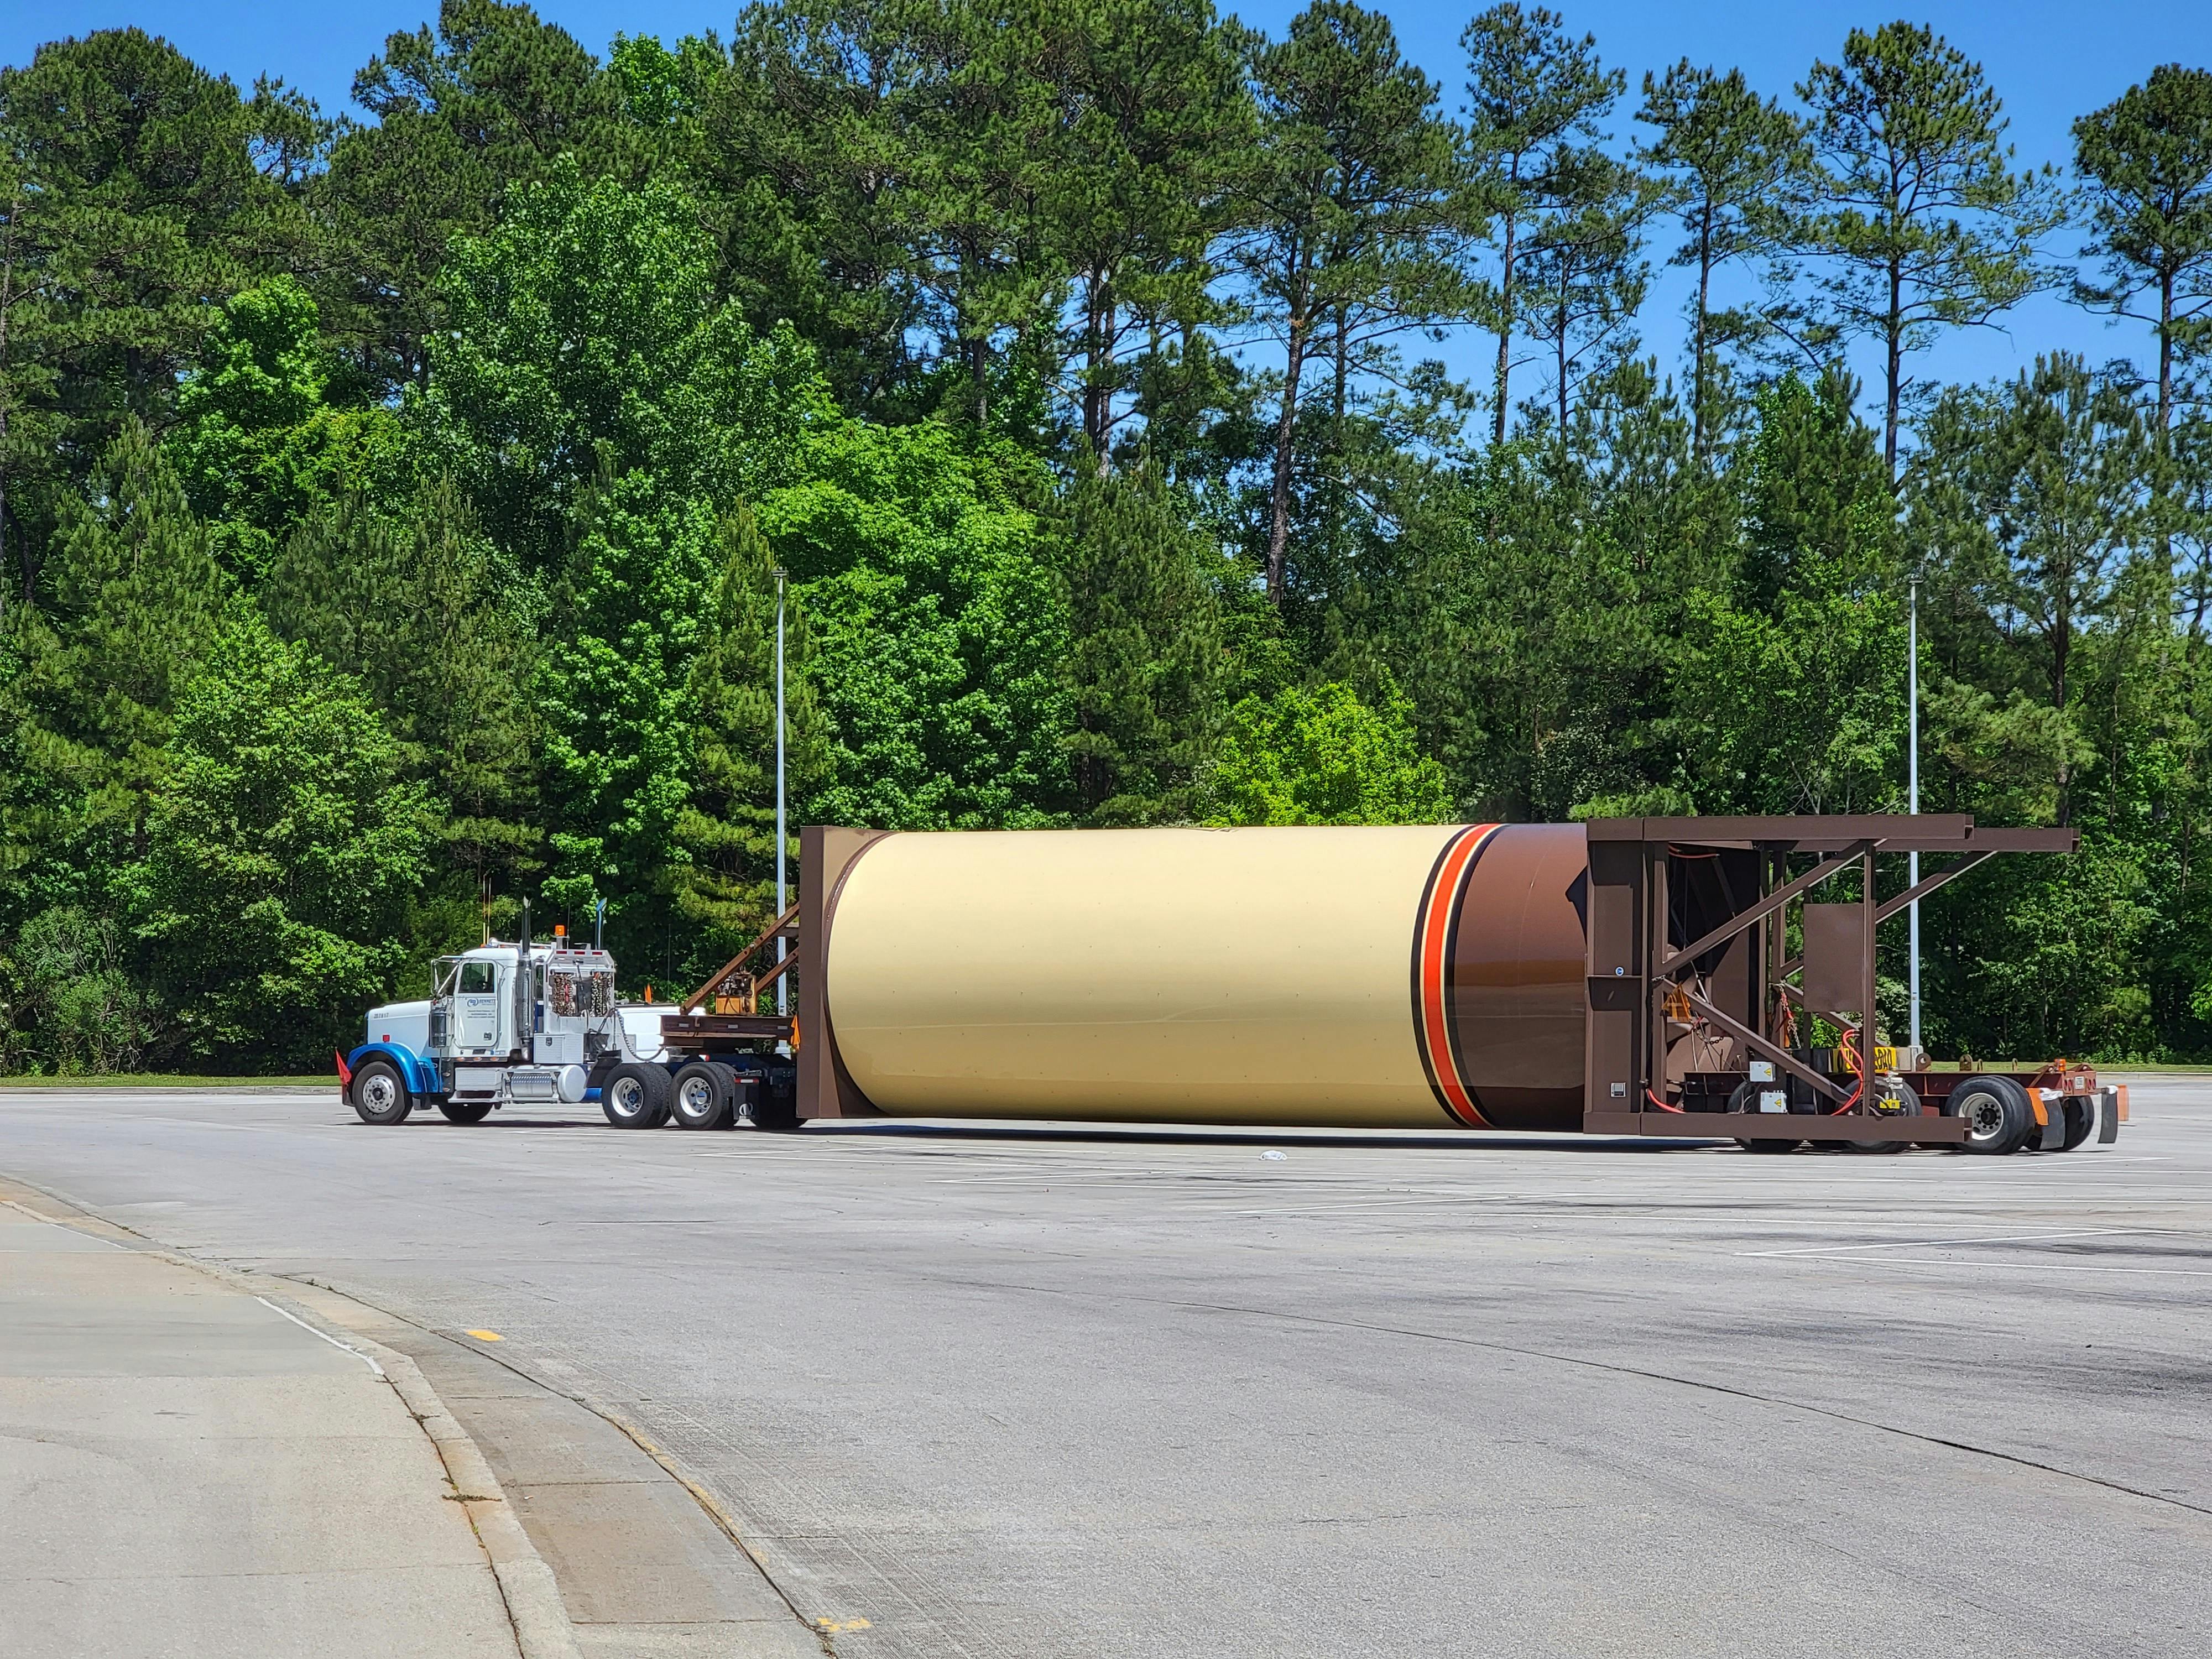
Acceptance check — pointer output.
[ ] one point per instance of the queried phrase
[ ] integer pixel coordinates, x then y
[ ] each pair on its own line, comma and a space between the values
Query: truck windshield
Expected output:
479, 977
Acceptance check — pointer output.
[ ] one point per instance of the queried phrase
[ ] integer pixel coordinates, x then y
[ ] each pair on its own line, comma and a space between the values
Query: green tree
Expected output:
726, 832
1585, 276
1532, 89
1152, 118
439, 629
256, 445
2048, 474
1918, 207
139, 188
1736, 158
2146, 157
1145, 668
1324, 756
274, 892
131, 601
491, 100
1350, 208
938, 628
587, 342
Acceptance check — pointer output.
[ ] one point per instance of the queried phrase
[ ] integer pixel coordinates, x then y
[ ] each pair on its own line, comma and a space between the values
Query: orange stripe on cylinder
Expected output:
1443, 900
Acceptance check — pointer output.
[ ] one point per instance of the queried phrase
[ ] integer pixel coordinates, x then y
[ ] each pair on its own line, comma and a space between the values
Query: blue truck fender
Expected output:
420, 1075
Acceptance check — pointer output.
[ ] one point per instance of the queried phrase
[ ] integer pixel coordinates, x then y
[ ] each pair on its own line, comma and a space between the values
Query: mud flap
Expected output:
2108, 1117
2049, 1135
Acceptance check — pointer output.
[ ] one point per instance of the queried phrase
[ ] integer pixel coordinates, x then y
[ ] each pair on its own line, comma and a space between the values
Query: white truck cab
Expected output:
508, 1023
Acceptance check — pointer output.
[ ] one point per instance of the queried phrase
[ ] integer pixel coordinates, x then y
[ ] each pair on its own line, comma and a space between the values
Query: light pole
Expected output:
1912, 797
783, 980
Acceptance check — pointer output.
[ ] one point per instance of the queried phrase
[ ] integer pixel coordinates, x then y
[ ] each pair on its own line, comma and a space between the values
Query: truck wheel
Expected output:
1746, 1099
2080, 1118
1893, 1098
701, 1096
465, 1111
379, 1095
776, 1116
635, 1097
1999, 1120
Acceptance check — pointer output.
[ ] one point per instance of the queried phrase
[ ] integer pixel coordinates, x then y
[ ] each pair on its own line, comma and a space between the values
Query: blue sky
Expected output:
2049, 62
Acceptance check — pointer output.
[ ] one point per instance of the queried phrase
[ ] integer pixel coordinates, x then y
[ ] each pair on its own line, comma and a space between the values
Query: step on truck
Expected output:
1679, 978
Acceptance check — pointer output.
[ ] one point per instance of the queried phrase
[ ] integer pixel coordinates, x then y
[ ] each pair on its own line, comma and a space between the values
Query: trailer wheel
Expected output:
700, 1097
1745, 1099
465, 1111
2080, 1118
778, 1115
379, 1094
635, 1097
1896, 1099
1999, 1120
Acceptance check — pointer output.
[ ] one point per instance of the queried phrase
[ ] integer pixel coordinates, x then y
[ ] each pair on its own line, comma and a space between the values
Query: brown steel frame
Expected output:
1633, 970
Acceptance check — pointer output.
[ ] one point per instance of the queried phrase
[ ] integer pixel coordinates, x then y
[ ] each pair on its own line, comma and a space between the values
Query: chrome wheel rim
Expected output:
628, 1096
379, 1092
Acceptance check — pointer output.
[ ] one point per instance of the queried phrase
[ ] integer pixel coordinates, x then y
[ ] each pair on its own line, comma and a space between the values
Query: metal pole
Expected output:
1912, 794
783, 980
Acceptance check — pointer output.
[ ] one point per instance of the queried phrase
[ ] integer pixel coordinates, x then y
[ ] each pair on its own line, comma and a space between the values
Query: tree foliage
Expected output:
396, 508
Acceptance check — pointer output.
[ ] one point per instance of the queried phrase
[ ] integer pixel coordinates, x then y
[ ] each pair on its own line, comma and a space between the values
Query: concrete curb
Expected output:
526, 1585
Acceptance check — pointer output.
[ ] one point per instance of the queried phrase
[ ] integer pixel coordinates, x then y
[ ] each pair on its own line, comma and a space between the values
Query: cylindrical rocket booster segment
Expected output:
1364, 977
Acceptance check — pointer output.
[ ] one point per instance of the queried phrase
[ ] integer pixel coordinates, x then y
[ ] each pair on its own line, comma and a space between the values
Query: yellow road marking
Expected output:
839, 1627
485, 1336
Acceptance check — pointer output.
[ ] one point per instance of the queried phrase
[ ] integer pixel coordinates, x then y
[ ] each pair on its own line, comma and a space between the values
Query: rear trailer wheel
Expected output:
465, 1111
635, 1097
701, 1096
1999, 1119
379, 1095
1746, 1099
1891, 1096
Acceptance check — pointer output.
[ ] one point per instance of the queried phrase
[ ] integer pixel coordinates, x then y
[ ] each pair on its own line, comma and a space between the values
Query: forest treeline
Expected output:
393, 504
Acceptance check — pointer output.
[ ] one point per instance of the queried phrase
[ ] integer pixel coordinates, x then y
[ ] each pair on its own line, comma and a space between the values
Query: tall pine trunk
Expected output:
1504, 332
1279, 497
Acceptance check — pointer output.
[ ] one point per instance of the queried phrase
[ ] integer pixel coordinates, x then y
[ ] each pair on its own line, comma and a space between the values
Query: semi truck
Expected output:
1680, 977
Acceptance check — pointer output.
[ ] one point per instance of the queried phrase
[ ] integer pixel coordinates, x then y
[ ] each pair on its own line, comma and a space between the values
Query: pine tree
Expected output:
437, 627
1927, 224
1351, 209
1144, 665
2148, 156
139, 187
1532, 90
1738, 158
489, 100
131, 600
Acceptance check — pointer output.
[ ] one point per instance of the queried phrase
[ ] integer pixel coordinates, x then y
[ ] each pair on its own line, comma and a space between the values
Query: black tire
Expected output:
1745, 1099
635, 1097
1907, 1107
465, 1111
778, 1115
379, 1094
1999, 1119
2081, 1119
701, 1095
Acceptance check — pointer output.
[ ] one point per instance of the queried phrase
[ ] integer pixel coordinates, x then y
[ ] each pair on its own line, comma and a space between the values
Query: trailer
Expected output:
1648, 977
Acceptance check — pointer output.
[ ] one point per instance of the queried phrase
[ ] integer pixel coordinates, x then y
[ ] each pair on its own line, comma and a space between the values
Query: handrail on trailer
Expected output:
1633, 965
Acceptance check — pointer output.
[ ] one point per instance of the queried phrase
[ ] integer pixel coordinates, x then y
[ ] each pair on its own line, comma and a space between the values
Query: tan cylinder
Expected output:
1299, 976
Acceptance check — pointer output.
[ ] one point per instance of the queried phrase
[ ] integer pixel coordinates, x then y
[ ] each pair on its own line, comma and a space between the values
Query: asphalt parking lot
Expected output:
1055, 1392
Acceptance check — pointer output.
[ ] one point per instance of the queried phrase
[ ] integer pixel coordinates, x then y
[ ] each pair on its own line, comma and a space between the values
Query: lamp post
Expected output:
783, 980
1912, 796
